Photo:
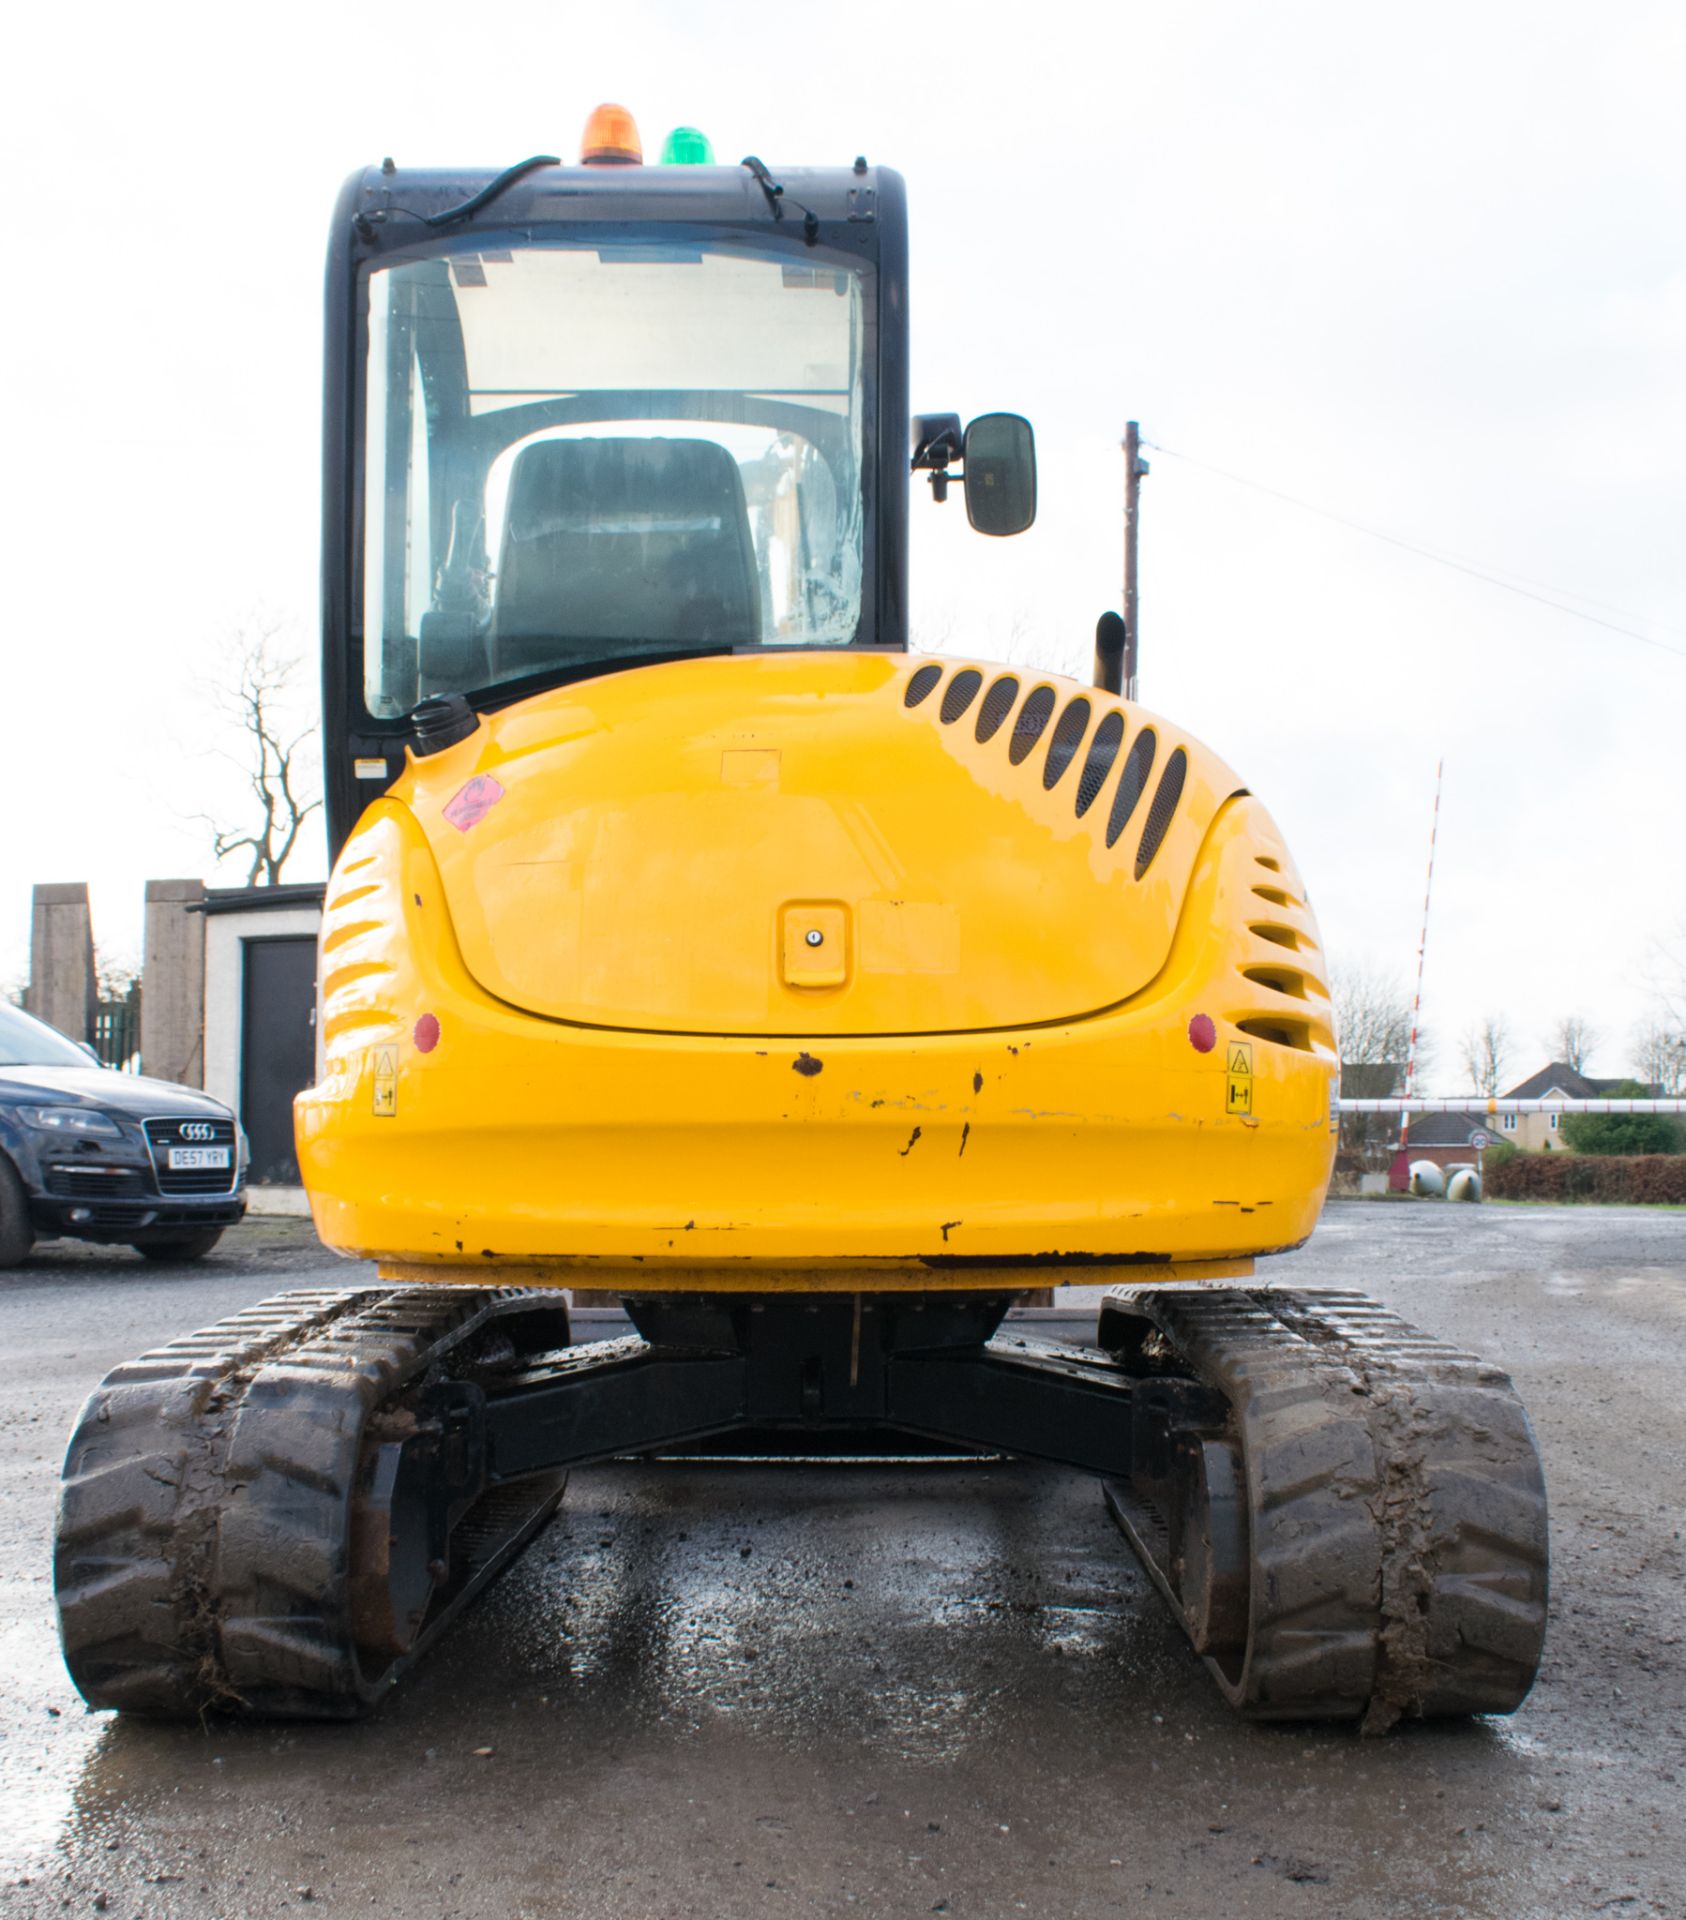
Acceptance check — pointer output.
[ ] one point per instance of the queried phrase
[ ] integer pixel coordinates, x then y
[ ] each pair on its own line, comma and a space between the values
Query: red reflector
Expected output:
1202, 1034
427, 1033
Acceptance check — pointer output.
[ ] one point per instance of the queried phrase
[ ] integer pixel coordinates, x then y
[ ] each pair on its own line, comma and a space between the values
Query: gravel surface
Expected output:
746, 1691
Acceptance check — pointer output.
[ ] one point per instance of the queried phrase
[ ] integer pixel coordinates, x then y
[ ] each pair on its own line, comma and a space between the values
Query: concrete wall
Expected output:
173, 983
61, 987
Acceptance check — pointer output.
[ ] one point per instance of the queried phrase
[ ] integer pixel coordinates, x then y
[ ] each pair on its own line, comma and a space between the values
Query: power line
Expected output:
1428, 553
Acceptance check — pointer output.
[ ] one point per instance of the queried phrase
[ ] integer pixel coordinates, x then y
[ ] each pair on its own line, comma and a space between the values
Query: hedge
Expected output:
1643, 1179
1624, 1135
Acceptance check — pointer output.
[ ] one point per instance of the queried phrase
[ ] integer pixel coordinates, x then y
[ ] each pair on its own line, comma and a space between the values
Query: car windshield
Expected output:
28, 1042
584, 452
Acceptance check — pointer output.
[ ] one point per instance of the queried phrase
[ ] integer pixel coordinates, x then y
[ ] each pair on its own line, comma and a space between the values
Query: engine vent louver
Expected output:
1281, 1033
1279, 980
959, 694
1103, 750
997, 704
1029, 727
1277, 935
920, 685
1165, 798
1138, 764
1065, 744
1068, 737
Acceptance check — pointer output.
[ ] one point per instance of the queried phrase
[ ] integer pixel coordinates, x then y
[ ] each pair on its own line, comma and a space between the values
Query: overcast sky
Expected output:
1421, 268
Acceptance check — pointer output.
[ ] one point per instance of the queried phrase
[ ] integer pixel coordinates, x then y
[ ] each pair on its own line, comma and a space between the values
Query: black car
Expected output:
102, 1155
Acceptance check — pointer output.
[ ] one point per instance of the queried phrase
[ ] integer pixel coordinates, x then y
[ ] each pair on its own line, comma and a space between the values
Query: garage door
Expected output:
278, 1049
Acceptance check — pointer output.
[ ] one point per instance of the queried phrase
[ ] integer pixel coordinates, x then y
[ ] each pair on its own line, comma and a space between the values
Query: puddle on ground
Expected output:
774, 1648
47, 1739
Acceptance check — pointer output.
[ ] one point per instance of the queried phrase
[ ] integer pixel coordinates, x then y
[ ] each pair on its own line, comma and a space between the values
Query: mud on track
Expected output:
742, 1691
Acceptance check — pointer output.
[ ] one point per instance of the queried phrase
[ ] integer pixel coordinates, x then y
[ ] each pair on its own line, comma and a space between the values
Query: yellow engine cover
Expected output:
667, 839
817, 970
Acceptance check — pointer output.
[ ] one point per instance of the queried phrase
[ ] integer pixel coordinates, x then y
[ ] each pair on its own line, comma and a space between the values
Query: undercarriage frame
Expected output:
279, 1515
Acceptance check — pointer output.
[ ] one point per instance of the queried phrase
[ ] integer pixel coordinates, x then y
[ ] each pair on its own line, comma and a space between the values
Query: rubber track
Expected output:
201, 1559
1397, 1507
1463, 1517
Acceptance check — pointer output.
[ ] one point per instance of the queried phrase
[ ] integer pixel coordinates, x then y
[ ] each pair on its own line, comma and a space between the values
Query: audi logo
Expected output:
198, 1130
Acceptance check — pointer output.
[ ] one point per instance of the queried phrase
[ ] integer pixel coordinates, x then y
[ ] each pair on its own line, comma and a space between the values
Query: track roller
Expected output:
1348, 1518
276, 1515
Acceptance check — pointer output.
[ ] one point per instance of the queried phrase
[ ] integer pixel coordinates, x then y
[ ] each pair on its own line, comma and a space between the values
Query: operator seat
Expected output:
623, 546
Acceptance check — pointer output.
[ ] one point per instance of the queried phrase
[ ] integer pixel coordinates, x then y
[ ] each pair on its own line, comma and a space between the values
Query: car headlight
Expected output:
78, 1120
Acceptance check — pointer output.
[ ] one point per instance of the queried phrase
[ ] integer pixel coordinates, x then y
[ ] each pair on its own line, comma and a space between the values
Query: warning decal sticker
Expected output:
385, 1063
1238, 1094
470, 804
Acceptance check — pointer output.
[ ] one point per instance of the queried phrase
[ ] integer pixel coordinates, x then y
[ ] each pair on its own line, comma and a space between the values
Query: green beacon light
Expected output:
686, 147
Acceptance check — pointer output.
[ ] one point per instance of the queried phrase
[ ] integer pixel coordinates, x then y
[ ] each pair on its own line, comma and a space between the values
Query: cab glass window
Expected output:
583, 454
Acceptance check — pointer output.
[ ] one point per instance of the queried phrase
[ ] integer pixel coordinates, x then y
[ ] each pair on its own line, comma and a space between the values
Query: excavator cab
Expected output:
611, 416
691, 943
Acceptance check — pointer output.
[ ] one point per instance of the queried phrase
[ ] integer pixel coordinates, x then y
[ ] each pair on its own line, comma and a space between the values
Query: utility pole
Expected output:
1134, 468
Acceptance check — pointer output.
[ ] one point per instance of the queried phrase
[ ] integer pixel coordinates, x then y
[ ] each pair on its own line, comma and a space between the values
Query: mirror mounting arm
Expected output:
938, 442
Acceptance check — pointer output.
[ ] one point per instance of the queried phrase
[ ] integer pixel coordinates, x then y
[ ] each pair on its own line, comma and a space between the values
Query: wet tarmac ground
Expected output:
740, 1691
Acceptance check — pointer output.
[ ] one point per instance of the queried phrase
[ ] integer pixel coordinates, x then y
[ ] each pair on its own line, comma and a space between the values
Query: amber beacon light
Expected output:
611, 139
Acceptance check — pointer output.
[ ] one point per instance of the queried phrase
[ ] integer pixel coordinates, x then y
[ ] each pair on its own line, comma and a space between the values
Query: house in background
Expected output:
1538, 1132
1448, 1139
1370, 1141
1367, 1140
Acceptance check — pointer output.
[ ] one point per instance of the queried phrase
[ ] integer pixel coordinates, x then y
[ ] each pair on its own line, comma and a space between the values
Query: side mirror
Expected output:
1000, 454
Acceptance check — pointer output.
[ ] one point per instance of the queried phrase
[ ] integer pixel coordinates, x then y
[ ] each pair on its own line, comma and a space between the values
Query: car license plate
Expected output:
185, 1159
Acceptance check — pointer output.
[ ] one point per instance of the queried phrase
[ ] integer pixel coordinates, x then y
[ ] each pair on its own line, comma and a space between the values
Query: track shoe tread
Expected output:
200, 1559
1399, 1540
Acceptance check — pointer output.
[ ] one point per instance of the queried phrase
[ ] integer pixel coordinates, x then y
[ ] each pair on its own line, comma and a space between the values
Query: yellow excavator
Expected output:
691, 942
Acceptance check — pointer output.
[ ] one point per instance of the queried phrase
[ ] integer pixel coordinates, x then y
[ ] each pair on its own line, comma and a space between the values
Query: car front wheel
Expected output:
184, 1246
17, 1236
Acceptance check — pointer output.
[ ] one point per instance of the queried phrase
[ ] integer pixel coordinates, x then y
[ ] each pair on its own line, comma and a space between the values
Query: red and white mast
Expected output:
1422, 952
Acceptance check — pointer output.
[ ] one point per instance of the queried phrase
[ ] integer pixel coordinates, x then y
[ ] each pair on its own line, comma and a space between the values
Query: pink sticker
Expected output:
472, 804
427, 1033
1202, 1034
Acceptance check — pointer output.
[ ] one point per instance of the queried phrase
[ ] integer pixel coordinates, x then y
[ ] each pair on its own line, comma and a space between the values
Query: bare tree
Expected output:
1659, 1045
277, 762
115, 977
1372, 1013
1026, 643
1664, 972
1659, 1052
1573, 1041
117, 1013
1485, 1051
1372, 1016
